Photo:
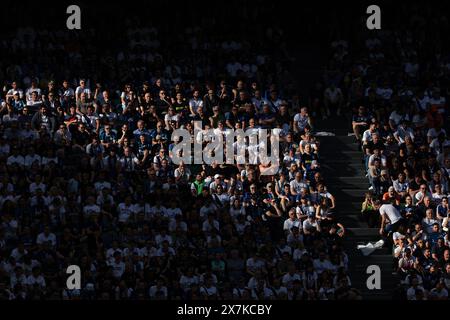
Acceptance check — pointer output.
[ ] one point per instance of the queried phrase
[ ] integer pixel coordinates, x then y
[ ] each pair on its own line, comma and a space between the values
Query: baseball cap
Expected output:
216, 176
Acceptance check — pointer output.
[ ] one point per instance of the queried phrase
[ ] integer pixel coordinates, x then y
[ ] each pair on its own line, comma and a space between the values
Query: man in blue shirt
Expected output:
141, 130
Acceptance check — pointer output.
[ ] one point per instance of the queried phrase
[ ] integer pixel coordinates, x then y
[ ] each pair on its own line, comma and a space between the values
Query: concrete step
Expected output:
336, 159
347, 179
350, 194
348, 169
350, 220
343, 153
351, 206
337, 184
342, 163
343, 139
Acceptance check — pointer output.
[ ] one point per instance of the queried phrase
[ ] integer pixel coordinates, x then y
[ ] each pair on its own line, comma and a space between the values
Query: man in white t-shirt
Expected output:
391, 219
158, 291
126, 210
117, 265
297, 184
82, 89
292, 221
301, 120
46, 236
433, 133
333, 100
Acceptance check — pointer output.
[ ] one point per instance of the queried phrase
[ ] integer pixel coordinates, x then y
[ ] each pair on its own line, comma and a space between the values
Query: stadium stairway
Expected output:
341, 161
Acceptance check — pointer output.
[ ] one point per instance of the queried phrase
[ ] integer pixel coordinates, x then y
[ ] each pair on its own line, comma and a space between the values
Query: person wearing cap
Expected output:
216, 182
16, 102
198, 185
311, 224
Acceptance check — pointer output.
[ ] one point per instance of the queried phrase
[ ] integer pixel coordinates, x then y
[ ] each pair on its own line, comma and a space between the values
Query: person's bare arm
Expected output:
293, 192
318, 227
295, 126
333, 202
318, 215
342, 233
383, 222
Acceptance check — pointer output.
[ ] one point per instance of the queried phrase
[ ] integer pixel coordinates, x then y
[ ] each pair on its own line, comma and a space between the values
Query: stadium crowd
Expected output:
86, 176
397, 85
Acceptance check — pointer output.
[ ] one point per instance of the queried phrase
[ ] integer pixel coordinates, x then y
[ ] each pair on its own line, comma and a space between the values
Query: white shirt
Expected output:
302, 121
433, 133
16, 160
428, 224
437, 147
195, 104
118, 268
207, 226
172, 212
288, 224
32, 280
154, 289
402, 133
333, 95
321, 266
208, 291
385, 93
159, 211
391, 212
125, 211
288, 279
396, 118
186, 281
400, 186
367, 136
34, 187
41, 238
81, 90
298, 185
91, 209
411, 292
